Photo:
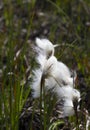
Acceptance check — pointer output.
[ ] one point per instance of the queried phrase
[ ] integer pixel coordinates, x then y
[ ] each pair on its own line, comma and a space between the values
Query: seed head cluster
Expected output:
57, 76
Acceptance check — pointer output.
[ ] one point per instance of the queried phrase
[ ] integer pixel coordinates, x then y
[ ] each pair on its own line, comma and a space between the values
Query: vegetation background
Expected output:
64, 22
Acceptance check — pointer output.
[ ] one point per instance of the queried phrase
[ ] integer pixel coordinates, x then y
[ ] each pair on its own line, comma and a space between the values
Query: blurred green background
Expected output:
64, 22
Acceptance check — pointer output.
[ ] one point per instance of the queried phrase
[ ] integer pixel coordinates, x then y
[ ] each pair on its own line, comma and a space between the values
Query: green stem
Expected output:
41, 98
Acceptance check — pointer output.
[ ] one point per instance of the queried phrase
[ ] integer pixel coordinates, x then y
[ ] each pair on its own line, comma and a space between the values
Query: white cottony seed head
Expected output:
36, 83
57, 76
47, 48
68, 109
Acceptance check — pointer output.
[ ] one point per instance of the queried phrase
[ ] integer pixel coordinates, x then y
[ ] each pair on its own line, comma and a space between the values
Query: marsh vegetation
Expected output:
66, 23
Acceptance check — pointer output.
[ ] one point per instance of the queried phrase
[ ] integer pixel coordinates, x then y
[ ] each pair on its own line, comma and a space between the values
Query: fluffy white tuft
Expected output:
76, 94
60, 77
48, 66
46, 69
61, 90
65, 74
47, 48
41, 60
68, 108
36, 83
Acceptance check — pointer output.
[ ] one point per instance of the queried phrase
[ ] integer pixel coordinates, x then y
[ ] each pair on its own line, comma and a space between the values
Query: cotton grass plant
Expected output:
55, 76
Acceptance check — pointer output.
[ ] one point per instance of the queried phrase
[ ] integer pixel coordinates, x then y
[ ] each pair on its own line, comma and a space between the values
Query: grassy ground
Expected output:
63, 22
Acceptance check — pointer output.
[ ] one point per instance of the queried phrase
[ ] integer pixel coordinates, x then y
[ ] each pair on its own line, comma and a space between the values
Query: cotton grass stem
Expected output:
41, 101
